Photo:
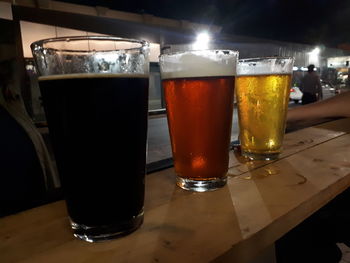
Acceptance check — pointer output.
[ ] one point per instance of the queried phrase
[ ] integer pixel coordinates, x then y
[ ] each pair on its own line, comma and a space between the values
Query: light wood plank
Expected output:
293, 142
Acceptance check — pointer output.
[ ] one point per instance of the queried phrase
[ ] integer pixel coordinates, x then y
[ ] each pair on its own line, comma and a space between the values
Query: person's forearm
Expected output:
337, 106
304, 113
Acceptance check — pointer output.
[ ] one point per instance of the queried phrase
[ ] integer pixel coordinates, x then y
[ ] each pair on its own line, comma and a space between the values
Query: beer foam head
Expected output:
201, 63
265, 66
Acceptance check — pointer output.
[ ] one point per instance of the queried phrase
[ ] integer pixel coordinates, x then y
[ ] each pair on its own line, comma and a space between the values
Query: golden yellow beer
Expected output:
262, 108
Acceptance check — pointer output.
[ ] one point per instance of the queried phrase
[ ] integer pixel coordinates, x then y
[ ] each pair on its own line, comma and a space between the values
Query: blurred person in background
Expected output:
311, 86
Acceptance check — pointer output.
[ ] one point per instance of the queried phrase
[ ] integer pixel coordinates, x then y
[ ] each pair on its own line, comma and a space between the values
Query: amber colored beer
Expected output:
262, 108
199, 113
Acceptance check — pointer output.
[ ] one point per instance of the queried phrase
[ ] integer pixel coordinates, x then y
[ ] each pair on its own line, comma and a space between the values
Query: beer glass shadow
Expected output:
280, 184
266, 193
192, 222
240, 164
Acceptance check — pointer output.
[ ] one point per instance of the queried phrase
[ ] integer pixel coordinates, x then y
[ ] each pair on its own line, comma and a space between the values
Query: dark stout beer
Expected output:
98, 128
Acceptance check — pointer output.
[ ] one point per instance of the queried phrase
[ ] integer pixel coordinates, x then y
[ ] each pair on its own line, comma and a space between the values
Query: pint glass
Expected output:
199, 88
262, 89
95, 96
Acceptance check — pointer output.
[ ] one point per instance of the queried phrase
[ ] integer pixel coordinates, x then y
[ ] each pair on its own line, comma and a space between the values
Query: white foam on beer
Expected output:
91, 75
198, 64
265, 66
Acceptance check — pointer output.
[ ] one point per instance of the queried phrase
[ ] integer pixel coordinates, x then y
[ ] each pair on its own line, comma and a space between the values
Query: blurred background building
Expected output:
25, 21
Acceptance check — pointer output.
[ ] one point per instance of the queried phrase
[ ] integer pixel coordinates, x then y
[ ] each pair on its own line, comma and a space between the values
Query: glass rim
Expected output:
41, 42
256, 59
198, 50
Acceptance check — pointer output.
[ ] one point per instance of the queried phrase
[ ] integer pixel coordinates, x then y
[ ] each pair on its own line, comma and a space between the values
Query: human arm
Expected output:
337, 106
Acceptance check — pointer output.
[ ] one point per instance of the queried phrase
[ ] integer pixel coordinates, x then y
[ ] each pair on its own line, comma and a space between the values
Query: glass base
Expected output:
106, 232
201, 185
260, 156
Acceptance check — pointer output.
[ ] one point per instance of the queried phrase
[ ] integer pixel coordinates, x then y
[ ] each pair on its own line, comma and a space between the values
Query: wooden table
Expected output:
261, 202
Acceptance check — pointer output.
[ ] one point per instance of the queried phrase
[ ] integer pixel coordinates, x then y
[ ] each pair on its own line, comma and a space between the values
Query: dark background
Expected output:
322, 22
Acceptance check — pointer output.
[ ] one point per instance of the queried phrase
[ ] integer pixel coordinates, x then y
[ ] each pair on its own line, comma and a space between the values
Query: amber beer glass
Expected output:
199, 89
95, 94
262, 89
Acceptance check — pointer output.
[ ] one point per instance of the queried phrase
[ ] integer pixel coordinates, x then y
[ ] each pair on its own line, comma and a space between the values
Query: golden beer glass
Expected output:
262, 90
199, 89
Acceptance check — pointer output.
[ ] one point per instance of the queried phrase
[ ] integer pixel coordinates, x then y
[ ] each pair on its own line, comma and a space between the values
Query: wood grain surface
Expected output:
261, 202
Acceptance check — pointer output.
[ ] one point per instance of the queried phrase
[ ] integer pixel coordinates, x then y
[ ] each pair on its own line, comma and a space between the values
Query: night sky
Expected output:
324, 22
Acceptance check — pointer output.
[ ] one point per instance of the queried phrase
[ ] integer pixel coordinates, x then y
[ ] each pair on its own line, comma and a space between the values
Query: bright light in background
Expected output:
295, 68
316, 51
202, 41
203, 37
314, 56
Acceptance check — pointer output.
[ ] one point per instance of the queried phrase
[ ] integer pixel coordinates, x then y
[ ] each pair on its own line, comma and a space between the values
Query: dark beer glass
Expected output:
199, 88
95, 95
